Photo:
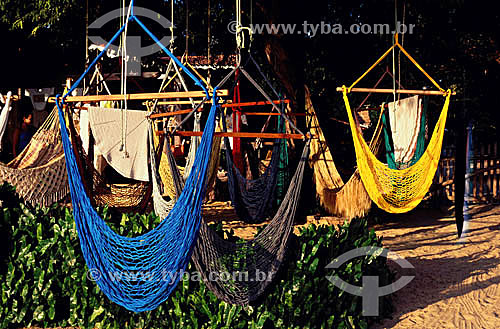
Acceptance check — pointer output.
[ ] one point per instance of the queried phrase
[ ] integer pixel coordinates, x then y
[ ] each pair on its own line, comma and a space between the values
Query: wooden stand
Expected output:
141, 96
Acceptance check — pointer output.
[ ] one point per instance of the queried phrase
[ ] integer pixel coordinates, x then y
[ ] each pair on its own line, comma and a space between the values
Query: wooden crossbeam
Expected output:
169, 114
261, 103
196, 101
272, 114
398, 91
236, 134
141, 96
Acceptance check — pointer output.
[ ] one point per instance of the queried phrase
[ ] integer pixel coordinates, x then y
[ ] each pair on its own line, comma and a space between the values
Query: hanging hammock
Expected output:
404, 131
150, 265
165, 172
161, 254
38, 172
103, 124
250, 260
397, 191
126, 198
283, 173
346, 200
252, 199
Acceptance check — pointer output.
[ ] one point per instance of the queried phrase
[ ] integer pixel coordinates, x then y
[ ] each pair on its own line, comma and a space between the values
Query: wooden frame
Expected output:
141, 96
398, 91
244, 104
236, 134
169, 114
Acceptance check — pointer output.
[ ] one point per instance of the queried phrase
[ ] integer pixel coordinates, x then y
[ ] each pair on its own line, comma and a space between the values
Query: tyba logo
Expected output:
135, 50
370, 291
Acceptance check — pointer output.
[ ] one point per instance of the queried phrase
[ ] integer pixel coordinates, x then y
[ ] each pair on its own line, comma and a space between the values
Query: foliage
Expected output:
44, 280
33, 15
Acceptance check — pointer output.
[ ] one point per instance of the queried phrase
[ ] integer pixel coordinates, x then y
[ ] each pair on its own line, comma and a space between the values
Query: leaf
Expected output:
96, 313
39, 313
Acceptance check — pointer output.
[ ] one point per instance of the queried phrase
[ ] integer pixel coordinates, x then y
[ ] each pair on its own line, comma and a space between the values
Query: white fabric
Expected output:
405, 121
99, 161
106, 125
84, 130
39, 97
193, 146
4, 116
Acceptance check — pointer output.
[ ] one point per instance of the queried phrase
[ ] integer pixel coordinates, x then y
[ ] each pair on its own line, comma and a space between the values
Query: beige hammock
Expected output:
39, 171
347, 200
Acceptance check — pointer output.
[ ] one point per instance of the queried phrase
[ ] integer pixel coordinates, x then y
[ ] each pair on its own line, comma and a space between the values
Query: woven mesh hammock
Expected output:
398, 191
126, 198
38, 172
347, 200
162, 253
252, 199
250, 261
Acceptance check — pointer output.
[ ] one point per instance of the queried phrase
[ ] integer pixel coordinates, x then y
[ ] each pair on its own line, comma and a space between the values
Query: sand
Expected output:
457, 282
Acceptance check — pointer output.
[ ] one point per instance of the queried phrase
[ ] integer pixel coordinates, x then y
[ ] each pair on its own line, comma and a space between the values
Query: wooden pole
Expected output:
245, 104
236, 134
169, 114
398, 91
140, 96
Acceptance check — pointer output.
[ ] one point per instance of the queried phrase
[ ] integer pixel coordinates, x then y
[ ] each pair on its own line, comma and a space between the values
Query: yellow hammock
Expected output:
397, 191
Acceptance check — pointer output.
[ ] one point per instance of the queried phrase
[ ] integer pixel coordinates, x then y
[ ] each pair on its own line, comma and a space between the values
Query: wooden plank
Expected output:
272, 114
169, 114
261, 103
237, 134
196, 101
398, 91
140, 96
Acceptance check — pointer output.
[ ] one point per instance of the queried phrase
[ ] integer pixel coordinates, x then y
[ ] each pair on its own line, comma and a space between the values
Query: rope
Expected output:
266, 96
163, 253
397, 44
115, 36
398, 191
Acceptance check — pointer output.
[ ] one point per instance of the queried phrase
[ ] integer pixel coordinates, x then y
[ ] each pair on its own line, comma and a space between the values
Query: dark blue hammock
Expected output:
253, 200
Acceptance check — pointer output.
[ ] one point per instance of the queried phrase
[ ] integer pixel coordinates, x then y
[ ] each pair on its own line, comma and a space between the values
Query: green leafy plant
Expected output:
44, 280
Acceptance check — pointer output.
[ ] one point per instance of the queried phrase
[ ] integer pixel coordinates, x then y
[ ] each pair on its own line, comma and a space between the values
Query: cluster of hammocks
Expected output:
164, 252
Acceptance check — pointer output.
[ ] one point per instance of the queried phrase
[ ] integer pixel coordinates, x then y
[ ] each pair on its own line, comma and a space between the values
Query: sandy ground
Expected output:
457, 282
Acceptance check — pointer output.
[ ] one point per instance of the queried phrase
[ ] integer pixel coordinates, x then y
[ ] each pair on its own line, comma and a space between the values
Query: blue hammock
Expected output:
140, 273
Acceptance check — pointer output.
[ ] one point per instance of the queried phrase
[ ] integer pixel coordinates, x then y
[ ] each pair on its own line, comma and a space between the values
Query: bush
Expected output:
43, 280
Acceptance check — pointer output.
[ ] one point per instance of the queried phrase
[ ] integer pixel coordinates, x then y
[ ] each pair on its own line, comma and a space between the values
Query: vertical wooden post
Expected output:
496, 162
460, 158
237, 156
481, 175
91, 164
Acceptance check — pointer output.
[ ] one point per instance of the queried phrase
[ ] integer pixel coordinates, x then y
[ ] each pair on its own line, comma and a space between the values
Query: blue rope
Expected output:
139, 273
176, 60
77, 82
155, 39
